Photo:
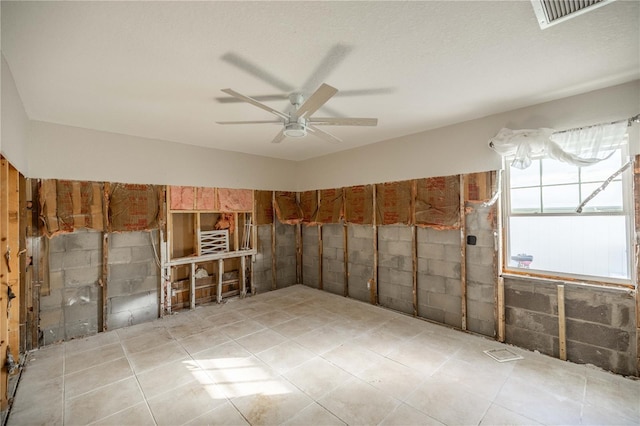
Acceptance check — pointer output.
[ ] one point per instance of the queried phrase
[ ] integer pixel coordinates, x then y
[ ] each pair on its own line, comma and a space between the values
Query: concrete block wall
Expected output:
600, 322
333, 258
395, 268
262, 266
285, 255
73, 307
134, 279
481, 270
310, 256
439, 285
360, 254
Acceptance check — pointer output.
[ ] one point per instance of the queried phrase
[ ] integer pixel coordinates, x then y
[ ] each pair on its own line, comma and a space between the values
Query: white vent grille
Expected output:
551, 12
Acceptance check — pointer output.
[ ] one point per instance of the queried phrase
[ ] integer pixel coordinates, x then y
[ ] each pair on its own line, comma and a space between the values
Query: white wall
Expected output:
65, 152
14, 121
463, 147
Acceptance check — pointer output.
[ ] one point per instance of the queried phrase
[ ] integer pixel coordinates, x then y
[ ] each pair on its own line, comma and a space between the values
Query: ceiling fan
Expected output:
299, 121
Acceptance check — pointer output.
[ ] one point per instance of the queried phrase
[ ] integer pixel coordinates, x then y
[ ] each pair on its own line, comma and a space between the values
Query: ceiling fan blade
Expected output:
329, 62
335, 121
279, 137
260, 98
316, 100
323, 135
251, 122
255, 103
256, 71
367, 92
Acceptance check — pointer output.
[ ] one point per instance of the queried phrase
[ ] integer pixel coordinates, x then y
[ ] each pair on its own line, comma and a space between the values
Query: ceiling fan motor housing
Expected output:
296, 129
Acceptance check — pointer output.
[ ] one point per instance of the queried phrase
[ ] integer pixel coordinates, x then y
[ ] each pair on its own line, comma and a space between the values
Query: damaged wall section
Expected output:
134, 279
360, 244
73, 307
310, 256
600, 322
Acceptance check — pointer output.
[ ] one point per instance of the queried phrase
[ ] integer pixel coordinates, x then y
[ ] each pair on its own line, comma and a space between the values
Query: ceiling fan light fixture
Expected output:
295, 130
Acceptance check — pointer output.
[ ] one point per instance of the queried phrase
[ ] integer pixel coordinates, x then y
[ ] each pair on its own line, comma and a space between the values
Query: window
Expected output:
546, 235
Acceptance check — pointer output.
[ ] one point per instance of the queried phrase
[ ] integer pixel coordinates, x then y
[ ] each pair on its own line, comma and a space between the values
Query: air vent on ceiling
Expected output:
551, 12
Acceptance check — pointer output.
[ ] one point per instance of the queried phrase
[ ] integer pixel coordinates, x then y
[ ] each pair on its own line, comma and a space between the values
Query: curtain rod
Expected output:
630, 121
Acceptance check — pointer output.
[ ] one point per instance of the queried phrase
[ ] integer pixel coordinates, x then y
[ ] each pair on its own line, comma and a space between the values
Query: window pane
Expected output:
582, 245
601, 171
527, 177
608, 200
562, 198
526, 200
555, 172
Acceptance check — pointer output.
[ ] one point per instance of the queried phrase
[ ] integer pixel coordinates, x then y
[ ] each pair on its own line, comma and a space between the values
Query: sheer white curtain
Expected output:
580, 147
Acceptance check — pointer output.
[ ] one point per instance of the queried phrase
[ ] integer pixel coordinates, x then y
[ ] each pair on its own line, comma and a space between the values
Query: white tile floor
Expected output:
299, 356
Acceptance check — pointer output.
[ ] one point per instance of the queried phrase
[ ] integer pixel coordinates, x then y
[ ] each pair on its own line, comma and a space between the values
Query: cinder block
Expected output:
143, 254
445, 302
81, 313
480, 310
480, 255
96, 257
55, 261
591, 305
447, 236
405, 233
443, 268
51, 335
56, 243
331, 230
453, 287
361, 231
131, 239
119, 320
128, 271
531, 340
532, 301
480, 292
452, 253
53, 317
431, 283
399, 248
402, 278
534, 321
80, 295
53, 300
453, 319
76, 259
430, 313
486, 328
431, 251
56, 280
335, 266
78, 329
388, 233
133, 302
617, 362
598, 335
482, 274
386, 261
83, 240
82, 276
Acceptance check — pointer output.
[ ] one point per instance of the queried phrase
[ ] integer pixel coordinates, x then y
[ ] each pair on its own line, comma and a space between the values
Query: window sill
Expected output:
569, 282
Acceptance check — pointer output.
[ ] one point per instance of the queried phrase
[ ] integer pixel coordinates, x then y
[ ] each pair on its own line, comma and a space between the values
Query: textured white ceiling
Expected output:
155, 69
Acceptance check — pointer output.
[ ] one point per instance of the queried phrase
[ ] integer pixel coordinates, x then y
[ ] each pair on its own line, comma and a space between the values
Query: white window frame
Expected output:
627, 212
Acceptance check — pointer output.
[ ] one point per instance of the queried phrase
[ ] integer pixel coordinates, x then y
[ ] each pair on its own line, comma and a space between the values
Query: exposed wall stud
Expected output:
414, 246
463, 254
562, 325
274, 274
373, 290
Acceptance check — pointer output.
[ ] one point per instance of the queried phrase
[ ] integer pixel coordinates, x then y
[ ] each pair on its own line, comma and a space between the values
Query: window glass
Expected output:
546, 234
527, 177
555, 172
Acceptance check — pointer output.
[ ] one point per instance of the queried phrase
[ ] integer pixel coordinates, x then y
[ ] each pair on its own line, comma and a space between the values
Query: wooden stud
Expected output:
414, 246
499, 262
243, 276
562, 325
104, 275
274, 263
345, 247
24, 293
463, 255
14, 262
192, 287
220, 274
373, 284
320, 255
4, 280
236, 232
196, 233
